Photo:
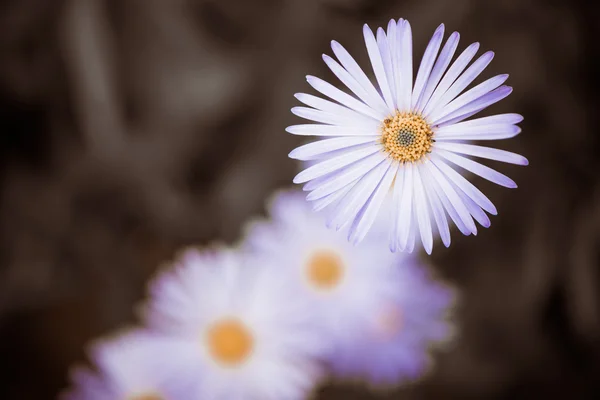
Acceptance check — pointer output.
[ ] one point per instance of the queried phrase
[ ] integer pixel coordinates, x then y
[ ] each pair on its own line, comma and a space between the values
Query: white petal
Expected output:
478, 169
498, 119
341, 179
476, 132
476, 211
406, 203
427, 62
469, 96
320, 204
358, 74
329, 118
483, 152
477, 105
448, 206
319, 116
366, 217
353, 117
347, 79
422, 212
466, 186
459, 118
357, 197
462, 82
436, 207
412, 235
454, 198
404, 34
312, 150
396, 203
378, 67
315, 183
455, 70
386, 57
336, 94
329, 130
438, 70
334, 164
394, 46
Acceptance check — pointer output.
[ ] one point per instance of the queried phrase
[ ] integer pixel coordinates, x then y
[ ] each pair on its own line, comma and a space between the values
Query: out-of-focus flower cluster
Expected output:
293, 304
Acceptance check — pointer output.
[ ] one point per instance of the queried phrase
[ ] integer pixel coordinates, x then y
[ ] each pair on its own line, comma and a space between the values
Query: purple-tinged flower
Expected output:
394, 346
241, 332
129, 366
405, 137
345, 283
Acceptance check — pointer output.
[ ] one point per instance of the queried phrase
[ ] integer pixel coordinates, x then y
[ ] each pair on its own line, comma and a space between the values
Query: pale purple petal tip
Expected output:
447, 241
297, 179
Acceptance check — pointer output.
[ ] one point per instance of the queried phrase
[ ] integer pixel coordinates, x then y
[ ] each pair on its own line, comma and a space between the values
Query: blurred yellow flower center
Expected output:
406, 137
146, 396
325, 269
230, 341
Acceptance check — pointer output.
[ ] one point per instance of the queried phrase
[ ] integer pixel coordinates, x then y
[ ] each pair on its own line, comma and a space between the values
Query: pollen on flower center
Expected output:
406, 137
230, 341
325, 269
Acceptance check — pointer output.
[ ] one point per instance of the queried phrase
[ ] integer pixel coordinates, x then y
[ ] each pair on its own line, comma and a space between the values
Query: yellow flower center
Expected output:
325, 269
230, 342
406, 137
146, 396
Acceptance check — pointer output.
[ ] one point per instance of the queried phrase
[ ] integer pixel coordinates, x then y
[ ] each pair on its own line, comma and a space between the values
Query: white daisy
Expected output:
130, 367
241, 332
344, 282
405, 137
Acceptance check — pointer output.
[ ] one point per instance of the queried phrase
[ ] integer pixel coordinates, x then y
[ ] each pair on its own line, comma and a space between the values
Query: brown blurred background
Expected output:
129, 128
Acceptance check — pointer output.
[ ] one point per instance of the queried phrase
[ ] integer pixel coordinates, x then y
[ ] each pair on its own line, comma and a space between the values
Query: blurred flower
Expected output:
130, 366
240, 332
394, 345
406, 138
346, 283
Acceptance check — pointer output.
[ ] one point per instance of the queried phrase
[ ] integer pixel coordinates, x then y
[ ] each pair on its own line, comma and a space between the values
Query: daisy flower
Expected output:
394, 345
404, 137
129, 367
343, 282
240, 332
